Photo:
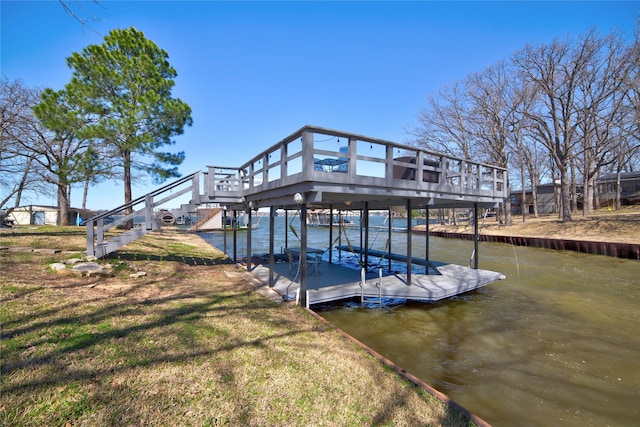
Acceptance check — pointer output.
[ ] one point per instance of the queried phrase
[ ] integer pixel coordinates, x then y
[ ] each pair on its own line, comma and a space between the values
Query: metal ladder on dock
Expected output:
378, 284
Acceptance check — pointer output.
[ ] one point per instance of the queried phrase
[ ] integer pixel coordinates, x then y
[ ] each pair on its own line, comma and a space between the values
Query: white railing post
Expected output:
307, 155
100, 232
148, 212
265, 168
195, 188
353, 158
443, 171
283, 160
389, 166
90, 238
252, 176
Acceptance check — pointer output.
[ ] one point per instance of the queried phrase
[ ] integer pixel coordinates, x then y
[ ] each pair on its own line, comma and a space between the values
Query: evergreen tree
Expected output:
124, 87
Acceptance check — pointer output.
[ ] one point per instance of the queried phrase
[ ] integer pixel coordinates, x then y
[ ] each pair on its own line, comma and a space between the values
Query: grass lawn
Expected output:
187, 344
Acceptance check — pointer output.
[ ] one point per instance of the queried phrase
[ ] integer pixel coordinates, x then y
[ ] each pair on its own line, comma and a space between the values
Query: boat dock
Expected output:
335, 173
335, 282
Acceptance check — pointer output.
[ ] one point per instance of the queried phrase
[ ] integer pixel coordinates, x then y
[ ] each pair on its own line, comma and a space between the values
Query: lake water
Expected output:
556, 343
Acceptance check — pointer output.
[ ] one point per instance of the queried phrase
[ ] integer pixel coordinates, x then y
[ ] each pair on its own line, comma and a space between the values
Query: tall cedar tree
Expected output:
59, 151
125, 85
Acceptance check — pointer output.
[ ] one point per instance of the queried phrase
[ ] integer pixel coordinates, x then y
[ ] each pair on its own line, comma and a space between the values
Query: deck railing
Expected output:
338, 161
329, 156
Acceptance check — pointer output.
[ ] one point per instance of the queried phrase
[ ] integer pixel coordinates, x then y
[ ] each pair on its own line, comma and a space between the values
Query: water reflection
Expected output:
555, 343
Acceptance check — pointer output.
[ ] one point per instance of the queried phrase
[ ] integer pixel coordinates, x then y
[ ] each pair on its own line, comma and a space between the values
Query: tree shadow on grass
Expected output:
190, 260
66, 360
21, 233
164, 312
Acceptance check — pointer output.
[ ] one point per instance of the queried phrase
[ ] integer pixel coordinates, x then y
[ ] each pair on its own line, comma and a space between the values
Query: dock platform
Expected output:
393, 256
336, 282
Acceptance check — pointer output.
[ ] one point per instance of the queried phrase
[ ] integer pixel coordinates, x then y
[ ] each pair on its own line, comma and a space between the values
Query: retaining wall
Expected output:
619, 250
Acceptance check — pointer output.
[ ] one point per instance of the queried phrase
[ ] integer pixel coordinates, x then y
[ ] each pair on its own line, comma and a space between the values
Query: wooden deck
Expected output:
336, 282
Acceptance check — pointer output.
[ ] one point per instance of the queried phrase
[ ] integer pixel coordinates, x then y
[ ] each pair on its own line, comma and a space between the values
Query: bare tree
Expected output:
492, 112
556, 70
79, 11
529, 155
19, 173
563, 110
444, 124
603, 114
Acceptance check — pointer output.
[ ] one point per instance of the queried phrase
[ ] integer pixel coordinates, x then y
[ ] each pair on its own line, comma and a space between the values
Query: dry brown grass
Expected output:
184, 345
603, 226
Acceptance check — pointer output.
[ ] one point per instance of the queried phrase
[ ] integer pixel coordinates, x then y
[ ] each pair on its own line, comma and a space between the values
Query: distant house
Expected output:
49, 215
548, 194
546, 200
630, 188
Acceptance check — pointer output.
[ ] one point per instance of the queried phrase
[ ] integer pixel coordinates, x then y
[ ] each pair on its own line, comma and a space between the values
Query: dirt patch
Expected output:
624, 228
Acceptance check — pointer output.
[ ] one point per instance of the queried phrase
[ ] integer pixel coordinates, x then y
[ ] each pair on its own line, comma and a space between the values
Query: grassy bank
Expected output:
603, 226
189, 343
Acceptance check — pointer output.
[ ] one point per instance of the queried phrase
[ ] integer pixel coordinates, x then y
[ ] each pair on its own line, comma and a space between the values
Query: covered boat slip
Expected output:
318, 168
335, 282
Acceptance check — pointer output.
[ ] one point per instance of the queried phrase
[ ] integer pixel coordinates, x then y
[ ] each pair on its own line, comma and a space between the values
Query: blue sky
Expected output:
254, 72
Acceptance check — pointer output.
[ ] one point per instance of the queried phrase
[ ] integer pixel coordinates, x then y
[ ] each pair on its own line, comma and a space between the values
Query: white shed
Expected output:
41, 215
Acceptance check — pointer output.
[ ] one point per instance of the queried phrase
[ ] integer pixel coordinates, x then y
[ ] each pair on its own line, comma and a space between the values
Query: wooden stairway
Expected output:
146, 207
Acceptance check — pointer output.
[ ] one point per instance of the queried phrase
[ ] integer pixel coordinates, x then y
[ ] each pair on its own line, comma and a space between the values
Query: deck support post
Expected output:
286, 228
409, 256
339, 235
272, 214
361, 245
476, 236
330, 234
366, 235
426, 240
303, 255
389, 237
234, 224
224, 229
249, 239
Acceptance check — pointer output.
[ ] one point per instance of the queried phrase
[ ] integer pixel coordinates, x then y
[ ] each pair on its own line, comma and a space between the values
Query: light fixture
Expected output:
298, 198
347, 202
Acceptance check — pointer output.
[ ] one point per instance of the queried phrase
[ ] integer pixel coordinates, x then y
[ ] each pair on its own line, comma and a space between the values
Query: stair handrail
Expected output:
95, 225
142, 198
